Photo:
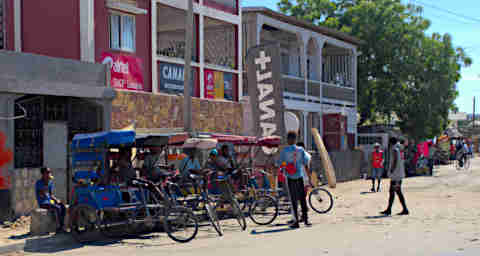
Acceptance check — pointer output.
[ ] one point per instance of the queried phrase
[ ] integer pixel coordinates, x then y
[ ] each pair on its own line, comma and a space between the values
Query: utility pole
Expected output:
473, 123
187, 90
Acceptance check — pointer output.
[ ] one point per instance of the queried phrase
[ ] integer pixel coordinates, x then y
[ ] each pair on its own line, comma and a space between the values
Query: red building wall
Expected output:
9, 25
143, 47
51, 29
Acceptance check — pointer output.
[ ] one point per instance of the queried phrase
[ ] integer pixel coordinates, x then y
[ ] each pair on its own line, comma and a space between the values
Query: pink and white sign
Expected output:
209, 84
126, 71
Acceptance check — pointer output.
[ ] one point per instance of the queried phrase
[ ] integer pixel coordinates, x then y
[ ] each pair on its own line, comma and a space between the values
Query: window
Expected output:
220, 43
2, 25
122, 32
171, 28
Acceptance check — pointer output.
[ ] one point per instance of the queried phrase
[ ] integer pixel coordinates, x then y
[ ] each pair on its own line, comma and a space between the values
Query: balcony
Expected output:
2, 24
230, 6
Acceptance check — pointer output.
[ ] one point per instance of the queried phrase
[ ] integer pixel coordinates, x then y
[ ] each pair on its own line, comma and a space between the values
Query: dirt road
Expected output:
444, 221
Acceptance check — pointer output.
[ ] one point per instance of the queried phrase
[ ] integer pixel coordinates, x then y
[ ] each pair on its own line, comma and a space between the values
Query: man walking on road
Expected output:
294, 159
377, 166
396, 174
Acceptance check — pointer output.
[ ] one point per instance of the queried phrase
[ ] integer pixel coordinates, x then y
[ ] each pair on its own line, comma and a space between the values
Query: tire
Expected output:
467, 163
83, 222
239, 215
320, 200
259, 209
180, 219
213, 217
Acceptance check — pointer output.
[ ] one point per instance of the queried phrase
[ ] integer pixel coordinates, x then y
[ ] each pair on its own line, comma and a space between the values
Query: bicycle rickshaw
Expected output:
267, 202
116, 209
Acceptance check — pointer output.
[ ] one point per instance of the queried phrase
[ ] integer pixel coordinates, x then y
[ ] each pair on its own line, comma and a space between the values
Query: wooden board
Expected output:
326, 162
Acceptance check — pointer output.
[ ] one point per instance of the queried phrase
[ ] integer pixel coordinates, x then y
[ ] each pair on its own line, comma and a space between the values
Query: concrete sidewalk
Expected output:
40, 244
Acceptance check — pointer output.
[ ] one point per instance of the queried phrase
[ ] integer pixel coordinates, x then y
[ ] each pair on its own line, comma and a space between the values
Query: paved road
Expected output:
444, 222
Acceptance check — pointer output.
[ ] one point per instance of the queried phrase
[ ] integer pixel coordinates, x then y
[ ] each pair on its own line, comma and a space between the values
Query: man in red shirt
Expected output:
377, 166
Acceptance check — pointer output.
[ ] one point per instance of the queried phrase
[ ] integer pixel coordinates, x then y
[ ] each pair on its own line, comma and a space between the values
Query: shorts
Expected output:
377, 173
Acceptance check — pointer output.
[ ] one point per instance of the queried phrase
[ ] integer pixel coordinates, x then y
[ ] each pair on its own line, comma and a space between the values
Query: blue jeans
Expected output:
377, 173
58, 209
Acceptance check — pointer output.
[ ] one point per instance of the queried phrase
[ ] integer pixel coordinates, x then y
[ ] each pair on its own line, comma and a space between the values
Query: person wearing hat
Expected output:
377, 166
46, 199
396, 174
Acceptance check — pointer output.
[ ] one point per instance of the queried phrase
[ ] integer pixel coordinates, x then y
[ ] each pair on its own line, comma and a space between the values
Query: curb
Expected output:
38, 244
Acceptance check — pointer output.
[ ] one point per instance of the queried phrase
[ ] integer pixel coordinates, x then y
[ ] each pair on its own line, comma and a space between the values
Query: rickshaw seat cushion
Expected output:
84, 175
105, 196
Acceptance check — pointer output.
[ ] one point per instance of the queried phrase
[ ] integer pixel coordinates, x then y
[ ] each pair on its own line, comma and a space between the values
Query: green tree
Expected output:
401, 69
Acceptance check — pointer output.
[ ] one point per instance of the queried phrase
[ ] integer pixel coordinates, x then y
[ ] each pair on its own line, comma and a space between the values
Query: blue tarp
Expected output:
103, 139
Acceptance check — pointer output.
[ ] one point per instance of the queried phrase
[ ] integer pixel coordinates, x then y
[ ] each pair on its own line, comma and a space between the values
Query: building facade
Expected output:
319, 72
143, 41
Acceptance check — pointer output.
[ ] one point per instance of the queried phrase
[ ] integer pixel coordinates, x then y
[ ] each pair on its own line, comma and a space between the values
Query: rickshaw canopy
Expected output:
108, 139
160, 139
200, 143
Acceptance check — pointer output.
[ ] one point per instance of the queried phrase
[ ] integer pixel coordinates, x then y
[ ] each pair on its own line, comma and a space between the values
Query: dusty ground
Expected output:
444, 221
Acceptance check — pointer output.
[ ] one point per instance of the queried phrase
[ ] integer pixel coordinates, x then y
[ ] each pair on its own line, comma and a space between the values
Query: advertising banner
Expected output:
209, 84
126, 71
228, 86
266, 91
219, 85
171, 78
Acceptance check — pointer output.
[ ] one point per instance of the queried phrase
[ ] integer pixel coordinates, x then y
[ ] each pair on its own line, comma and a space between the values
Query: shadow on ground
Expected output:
377, 217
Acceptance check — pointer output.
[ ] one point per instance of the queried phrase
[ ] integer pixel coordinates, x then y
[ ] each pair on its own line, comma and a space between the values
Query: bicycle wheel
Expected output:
467, 163
180, 224
320, 200
239, 214
83, 223
264, 210
213, 217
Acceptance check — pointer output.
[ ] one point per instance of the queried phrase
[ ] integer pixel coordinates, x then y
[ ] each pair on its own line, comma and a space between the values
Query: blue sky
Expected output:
465, 33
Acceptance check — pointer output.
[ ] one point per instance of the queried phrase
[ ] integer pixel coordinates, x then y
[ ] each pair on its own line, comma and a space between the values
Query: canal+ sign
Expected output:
266, 91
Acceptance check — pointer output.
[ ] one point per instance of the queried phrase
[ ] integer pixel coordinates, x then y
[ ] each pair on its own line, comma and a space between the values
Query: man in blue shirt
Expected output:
46, 199
295, 159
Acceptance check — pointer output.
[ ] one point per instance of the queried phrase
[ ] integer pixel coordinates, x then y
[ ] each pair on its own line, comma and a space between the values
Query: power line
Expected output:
447, 11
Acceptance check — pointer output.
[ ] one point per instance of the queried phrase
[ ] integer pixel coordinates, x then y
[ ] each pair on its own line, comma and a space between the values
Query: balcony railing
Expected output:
230, 6
291, 65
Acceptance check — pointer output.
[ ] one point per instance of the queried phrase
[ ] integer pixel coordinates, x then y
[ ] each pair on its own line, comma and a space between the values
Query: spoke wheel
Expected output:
213, 217
239, 215
180, 224
320, 200
83, 222
467, 163
264, 210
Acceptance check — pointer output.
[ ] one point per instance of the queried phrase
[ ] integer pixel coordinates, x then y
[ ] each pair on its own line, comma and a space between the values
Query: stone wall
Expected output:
22, 192
347, 165
165, 111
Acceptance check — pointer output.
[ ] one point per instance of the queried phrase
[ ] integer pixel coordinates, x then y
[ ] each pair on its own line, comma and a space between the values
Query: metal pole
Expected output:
473, 118
187, 92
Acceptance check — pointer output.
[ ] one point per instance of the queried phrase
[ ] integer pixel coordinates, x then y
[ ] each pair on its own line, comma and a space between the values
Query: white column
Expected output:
240, 59
154, 47
305, 128
201, 36
355, 81
17, 16
87, 31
